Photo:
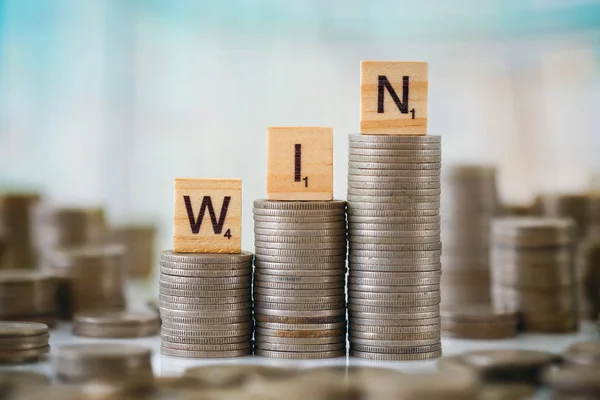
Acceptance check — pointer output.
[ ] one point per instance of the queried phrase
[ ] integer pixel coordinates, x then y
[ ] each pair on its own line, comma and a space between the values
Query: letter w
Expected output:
195, 224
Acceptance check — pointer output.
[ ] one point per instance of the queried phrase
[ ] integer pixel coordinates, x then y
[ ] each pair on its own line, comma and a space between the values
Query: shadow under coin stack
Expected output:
469, 202
533, 271
27, 295
394, 247
89, 278
206, 304
299, 279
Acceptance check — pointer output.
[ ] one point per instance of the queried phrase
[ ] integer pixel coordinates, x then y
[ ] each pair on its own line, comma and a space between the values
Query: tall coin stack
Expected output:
299, 279
468, 205
206, 304
394, 247
532, 260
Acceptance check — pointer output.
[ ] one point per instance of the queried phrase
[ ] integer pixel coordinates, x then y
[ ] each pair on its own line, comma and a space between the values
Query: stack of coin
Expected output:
394, 247
139, 242
501, 366
468, 205
577, 206
90, 278
300, 278
479, 321
588, 263
533, 271
65, 227
206, 304
115, 324
110, 362
22, 342
27, 295
15, 229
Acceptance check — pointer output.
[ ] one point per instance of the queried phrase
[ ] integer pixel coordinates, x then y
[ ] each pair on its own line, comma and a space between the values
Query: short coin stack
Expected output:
299, 279
115, 324
479, 321
469, 202
90, 278
533, 271
22, 342
27, 295
394, 247
206, 304
139, 241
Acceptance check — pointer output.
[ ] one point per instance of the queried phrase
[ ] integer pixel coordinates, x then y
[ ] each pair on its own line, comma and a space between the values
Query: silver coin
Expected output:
405, 301
338, 271
302, 260
399, 281
383, 213
395, 357
365, 205
301, 306
271, 212
395, 187
211, 293
397, 349
298, 293
295, 313
298, 232
395, 261
400, 292
205, 307
301, 327
290, 355
206, 258
302, 341
371, 329
341, 245
191, 267
207, 347
400, 321
299, 205
303, 334
406, 173
362, 311
205, 300
337, 239
388, 180
394, 275
352, 238
196, 287
222, 330
355, 219
298, 266
397, 247
299, 286
373, 197
420, 159
395, 268
260, 299
298, 279
300, 253
205, 337
300, 226
194, 320
197, 313
395, 342
357, 253
205, 273
187, 280
299, 220
360, 165
394, 152
299, 348
430, 330
394, 139
372, 298
205, 354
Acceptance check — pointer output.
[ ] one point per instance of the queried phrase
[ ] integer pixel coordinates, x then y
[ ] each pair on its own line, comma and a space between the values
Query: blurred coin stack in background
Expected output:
533, 271
89, 278
300, 278
577, 207
468, 205
394, 247
16, 250
138, 241
27, 295
66, 227
22, 342
206, 304
479, 321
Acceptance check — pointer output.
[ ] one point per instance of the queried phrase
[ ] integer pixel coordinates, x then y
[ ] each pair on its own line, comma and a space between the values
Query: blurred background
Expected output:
105, 102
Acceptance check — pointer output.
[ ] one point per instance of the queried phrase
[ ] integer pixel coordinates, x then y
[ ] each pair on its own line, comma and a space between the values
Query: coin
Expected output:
206, 258
398, 153
298, 292
266, 265
234, 281
205, 354
395, 357
392, 171
204, 293
271, 238
329, 272
208, 308
301, 306
302, 327
299, 205
300, 300
260, 252
340, 218
204, 300
116, 324
198, 320
300, 246
394, 139
198, 273
213, 330
327, 334
300, 355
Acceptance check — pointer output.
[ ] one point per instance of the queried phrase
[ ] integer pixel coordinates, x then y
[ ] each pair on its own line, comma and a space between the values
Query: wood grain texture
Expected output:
300, 163
208, 216
386, 118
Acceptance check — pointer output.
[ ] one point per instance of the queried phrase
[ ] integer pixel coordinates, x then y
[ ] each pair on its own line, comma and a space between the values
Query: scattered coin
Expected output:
22, 342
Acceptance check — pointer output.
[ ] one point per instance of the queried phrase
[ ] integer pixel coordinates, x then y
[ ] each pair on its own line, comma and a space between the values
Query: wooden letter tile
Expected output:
300, 163
393, 98
208, 216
